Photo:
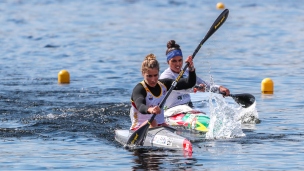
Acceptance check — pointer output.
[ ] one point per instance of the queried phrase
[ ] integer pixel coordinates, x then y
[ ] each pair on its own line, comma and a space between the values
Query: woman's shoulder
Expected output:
166, 74
139, 89
140, 84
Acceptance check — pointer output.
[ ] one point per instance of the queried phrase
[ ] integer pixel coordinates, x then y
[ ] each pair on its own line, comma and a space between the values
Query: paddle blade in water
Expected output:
244, 100
138, 137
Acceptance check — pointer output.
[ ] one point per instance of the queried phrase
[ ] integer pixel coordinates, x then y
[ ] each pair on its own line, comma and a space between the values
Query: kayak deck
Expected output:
190, 120
163, 137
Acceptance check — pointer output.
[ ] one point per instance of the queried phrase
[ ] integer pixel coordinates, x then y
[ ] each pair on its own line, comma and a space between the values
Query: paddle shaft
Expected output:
245, 99
231, 95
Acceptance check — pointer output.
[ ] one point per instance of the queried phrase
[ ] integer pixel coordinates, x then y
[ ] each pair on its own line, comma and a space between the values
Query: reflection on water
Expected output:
159, 159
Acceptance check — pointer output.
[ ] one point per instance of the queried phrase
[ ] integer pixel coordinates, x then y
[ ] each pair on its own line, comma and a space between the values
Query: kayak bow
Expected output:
161, 137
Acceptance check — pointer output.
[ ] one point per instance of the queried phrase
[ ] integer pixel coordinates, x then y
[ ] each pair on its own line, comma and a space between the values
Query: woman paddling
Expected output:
148, 94
175, 61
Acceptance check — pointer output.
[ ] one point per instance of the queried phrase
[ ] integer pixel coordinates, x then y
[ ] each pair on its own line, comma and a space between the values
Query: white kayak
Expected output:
161, 137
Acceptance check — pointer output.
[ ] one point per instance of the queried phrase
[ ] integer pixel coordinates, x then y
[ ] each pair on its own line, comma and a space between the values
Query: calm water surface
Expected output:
45, 125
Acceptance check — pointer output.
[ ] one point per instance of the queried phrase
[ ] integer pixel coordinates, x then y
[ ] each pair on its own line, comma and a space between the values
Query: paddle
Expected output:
245, 99
138, 137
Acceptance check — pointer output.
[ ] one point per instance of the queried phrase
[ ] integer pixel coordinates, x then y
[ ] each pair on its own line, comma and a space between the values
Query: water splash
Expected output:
249, 115
224, 118
224, 122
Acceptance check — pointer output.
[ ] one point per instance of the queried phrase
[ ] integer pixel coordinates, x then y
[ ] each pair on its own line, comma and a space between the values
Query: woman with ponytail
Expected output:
175, 61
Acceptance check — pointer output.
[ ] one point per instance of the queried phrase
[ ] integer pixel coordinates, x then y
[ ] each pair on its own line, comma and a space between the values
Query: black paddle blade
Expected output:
218, 22
138, 137
245, 100
215, 26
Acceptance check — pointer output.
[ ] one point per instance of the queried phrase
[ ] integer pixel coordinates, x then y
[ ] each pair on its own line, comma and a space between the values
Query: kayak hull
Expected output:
161, 137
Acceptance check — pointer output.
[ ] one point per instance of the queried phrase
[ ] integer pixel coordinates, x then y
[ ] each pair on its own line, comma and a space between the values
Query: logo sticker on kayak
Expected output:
162, 140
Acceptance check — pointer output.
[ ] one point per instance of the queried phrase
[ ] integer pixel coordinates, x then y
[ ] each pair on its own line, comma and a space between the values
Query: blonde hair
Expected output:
150, 62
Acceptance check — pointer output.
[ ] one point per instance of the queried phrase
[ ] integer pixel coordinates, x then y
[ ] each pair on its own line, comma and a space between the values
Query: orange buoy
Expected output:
267, 86
63, 77
220, 5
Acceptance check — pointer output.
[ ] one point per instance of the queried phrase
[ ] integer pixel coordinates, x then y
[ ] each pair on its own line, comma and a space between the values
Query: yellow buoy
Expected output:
220, 5
267, 86
63, 77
